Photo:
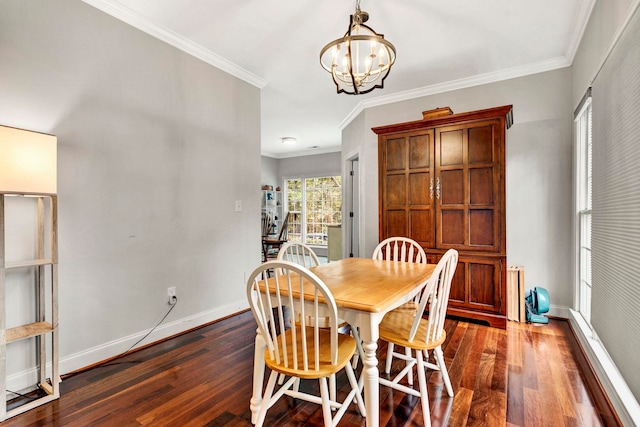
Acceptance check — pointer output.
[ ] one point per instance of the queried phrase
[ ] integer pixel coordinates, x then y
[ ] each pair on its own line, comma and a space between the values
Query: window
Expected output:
313, 203
583, 193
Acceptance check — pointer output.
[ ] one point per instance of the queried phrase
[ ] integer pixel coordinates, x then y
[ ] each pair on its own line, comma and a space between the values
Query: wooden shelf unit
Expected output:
42, 330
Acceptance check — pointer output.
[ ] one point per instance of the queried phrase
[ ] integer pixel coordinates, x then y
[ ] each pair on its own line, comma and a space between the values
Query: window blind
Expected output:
615, 311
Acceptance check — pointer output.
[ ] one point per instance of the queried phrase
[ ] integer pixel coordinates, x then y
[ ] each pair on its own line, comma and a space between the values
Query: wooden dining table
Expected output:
364, 290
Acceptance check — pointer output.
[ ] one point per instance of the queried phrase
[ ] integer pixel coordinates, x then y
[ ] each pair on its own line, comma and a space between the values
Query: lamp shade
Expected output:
28, 161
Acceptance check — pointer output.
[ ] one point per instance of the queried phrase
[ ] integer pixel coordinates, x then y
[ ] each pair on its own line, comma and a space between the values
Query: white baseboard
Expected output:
559, 311
621, 397
24, 380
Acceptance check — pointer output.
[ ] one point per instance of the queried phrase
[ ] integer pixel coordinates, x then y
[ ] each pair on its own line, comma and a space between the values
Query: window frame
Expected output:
583, 207
298, 229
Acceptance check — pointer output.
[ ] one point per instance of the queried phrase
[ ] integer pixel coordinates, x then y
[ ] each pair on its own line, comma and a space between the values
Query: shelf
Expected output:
33, 222
29, 330
28, 263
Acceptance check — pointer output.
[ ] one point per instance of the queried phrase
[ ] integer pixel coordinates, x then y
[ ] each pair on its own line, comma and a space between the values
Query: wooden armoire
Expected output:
442, 184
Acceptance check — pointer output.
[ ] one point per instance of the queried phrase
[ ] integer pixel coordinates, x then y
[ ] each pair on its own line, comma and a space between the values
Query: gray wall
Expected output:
310, 166
538, 170
604, 24
270, 171
155, 147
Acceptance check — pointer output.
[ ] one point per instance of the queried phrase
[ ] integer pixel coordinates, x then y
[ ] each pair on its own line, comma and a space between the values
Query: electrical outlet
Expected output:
171, 295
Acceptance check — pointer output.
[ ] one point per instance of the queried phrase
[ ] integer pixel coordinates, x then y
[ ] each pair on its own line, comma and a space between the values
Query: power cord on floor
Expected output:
114, 360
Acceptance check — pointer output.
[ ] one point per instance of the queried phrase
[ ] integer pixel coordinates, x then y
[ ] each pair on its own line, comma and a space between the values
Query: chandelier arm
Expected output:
348, 37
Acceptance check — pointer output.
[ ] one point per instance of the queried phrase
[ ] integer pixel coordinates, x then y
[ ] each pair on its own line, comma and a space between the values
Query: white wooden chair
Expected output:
423, 335
302, 254
407, 250
306, 350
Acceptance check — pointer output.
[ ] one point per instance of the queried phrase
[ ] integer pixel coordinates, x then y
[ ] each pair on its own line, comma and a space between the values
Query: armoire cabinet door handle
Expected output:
431, 188
437, 187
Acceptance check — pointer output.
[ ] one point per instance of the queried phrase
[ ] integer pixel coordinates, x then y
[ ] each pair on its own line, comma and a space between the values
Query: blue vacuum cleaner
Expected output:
537, 302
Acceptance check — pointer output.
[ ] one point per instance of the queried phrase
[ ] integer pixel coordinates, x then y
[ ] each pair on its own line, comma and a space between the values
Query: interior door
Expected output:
468, 206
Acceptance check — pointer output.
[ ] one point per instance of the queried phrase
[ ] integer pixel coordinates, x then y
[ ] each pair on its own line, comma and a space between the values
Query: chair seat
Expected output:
346, 349
395, 328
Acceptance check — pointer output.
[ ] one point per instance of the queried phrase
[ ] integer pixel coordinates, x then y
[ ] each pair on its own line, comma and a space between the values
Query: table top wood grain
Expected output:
370, 285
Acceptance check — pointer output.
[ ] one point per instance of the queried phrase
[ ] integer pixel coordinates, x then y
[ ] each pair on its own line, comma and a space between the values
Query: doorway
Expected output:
353, 208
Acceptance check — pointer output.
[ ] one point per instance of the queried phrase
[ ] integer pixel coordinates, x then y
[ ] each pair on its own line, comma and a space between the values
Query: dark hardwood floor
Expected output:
525, 376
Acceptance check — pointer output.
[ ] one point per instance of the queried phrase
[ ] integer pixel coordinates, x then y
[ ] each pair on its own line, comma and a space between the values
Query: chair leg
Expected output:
332, 389
387, 366
355, 385
443, 370
424, 395
407, 352
326, 406
266, 398
360, 352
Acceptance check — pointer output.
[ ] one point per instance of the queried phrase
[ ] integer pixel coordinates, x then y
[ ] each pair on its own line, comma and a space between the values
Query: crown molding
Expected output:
128, 16
481, 79
580, 26
307, 152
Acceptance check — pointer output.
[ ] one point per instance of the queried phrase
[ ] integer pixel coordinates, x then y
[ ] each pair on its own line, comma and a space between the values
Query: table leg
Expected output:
258, 375
369, 335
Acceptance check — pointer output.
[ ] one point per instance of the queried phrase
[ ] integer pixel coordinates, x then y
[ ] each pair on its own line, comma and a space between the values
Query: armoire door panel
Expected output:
484, 284
452, 228
421, 227
481, 229
396, 224
419, 151
396, 190
452, 187
419, 193
451, 146
406, 205
458, 293
481, 188
477, 284
395, 154
481, 145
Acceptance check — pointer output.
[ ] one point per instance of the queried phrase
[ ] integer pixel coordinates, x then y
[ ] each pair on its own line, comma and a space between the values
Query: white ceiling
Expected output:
441, 45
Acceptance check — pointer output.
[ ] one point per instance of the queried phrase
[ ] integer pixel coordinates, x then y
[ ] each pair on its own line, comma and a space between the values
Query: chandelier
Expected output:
361, 60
